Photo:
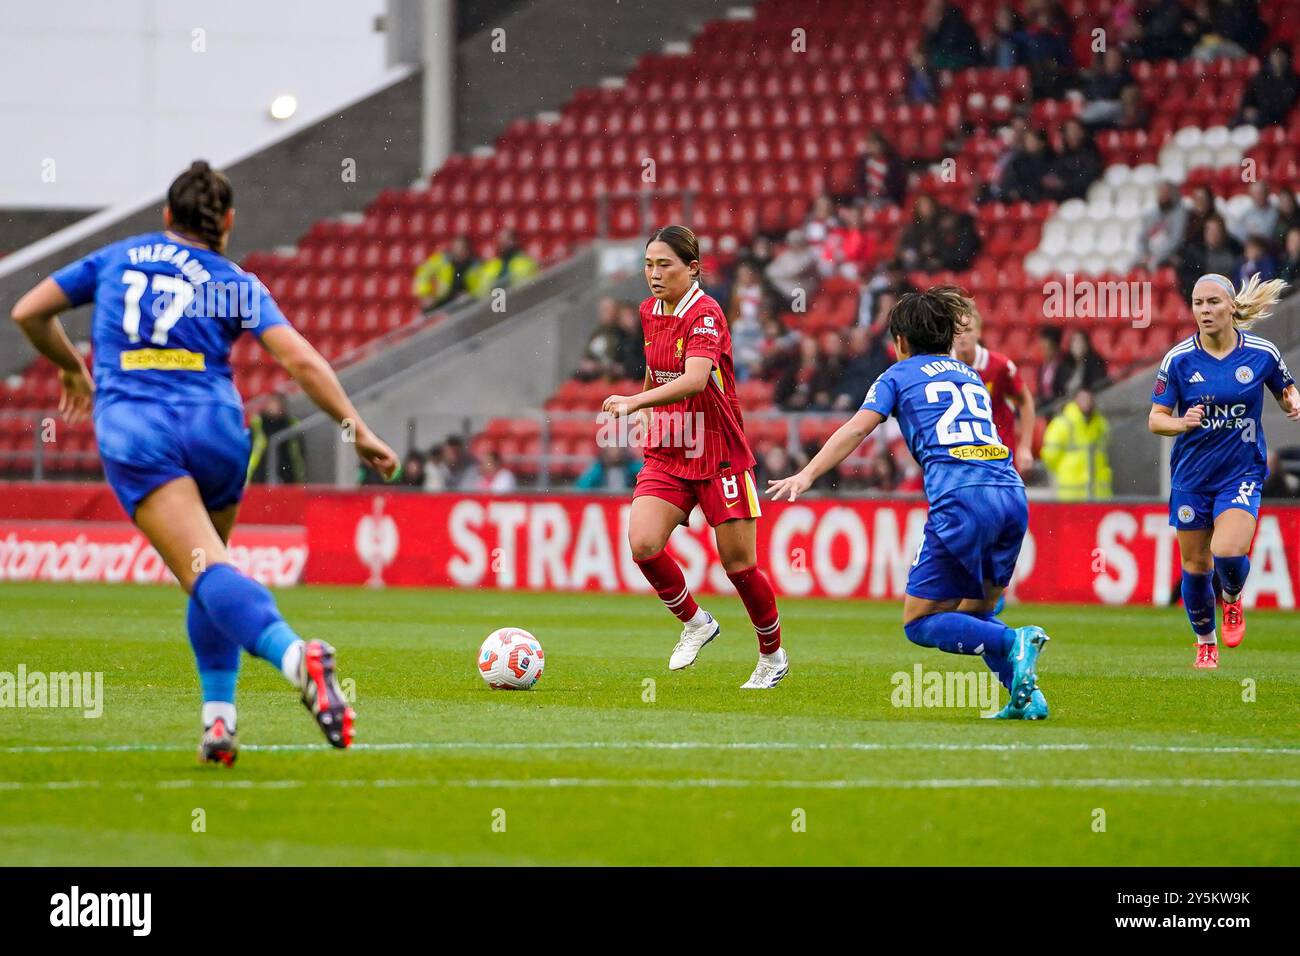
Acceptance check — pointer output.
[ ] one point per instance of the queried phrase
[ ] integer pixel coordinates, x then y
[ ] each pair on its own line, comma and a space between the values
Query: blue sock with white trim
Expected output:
245, 613
955, 632
1198, 601
218, 664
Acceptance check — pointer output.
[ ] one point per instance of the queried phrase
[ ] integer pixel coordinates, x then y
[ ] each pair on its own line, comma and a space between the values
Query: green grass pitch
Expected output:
585, 769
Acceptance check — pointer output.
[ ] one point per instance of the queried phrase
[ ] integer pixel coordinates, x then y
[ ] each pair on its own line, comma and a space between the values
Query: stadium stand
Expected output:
763, 114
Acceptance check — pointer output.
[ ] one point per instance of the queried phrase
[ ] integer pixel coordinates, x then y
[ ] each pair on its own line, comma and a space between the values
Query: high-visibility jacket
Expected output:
1074, 451
494, 273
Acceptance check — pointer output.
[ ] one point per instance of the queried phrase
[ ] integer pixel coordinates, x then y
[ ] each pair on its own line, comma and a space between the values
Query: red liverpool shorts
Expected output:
731, 494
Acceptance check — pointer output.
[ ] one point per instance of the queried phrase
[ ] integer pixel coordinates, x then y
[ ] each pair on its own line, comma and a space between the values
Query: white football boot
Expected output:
693, 638
769, 671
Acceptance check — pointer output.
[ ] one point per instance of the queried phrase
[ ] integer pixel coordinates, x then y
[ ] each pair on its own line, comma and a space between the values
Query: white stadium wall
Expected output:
101, 102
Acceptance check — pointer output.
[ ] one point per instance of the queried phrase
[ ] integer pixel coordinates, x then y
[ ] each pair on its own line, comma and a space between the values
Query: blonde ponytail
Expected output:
1254, 299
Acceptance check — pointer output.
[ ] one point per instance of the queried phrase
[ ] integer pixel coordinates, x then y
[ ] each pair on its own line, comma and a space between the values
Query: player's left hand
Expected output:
620, 405
1291, 403
78, 395
793, 486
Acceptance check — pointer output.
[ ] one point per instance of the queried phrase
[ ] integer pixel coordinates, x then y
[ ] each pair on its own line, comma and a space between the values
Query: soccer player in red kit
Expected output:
1013, 402
696, 454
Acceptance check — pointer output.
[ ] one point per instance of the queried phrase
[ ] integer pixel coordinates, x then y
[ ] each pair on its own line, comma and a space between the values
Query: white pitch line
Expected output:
706, 783
435, 745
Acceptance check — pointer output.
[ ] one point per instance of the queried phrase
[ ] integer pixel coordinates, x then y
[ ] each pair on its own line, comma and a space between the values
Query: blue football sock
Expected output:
957, 633
244, 612
217, 658
1198, 601
1001, 605
1232, 573
997, 660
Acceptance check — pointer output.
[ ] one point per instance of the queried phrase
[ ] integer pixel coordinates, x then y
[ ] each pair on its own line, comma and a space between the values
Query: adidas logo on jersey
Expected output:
1196, 379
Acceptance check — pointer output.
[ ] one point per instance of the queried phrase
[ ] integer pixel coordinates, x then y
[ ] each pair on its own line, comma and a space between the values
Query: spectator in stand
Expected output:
613, 469
273, 418
1052, 364
745, 321
435, 473
1289, 268
1272, 91
949, 41
747, 294
444, 276
412, 475
494, 476
1075, 450
1239, 21
631, 347
793, 271
812, 384
919, 245
759, 254
1258, 219
1133, 113
511, 266
780, 352
1005, 46
1077, 166
1215, 251
1169, 31
959, 240
1203, 206
1047, 52
1288, 216
1163, 228
1084, 366
820, 222
867, 359
1102, 87
1257, 261
891, 279
881, 177
922, 87
462, 474
850, 249
1024, 174
602, 356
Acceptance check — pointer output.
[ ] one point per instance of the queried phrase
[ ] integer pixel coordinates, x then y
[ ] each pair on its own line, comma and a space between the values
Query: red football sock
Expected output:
669, 583
760, 601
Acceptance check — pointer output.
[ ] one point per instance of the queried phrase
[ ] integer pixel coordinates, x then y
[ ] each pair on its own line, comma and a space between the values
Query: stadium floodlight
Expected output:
284, 106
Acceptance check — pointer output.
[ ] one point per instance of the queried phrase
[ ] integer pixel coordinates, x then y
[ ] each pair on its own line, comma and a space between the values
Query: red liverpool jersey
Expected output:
701, 436
1002, 379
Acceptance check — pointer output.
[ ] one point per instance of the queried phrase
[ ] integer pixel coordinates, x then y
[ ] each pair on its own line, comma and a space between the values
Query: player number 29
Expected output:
976, 401
179, 289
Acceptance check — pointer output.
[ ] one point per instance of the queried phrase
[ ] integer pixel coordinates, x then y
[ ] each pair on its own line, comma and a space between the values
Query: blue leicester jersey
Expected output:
946, 417
166, 315
1229, 446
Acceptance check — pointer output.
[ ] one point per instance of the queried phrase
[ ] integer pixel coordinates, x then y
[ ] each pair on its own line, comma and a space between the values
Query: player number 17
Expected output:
976, 401
179, 289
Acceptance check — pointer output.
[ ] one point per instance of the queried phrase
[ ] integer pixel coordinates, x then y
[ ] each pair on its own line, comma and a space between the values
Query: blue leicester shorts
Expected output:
1192, 510
144, 445
972, 535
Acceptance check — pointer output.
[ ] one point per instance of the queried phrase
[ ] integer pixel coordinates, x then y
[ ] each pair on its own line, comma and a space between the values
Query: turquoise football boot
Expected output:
1036, 709
1026, 647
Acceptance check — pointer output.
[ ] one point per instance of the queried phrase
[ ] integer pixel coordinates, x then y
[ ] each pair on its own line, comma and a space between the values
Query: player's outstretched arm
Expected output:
37, 316
1162, 420
1025, 422
1290, 402
692, 381
315, 376
838, 447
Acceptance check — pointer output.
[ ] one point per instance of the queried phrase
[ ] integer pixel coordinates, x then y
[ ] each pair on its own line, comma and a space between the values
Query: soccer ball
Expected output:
511, 659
